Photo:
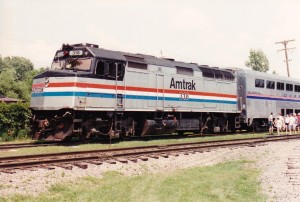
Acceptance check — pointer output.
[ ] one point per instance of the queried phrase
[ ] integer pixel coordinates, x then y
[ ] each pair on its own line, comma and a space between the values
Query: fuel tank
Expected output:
156, 127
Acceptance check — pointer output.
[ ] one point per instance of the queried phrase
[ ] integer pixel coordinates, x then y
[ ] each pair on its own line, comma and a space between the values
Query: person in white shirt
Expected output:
279, 123
292, 124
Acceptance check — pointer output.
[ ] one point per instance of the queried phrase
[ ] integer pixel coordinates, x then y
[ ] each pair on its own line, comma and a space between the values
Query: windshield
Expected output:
72, 63
58, 64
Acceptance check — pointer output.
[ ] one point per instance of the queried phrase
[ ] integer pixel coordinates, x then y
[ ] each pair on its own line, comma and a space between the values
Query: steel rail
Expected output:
25, 145
18, 162
54, 143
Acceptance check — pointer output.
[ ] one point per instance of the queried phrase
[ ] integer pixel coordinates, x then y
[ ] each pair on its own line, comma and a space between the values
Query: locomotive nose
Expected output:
49, 92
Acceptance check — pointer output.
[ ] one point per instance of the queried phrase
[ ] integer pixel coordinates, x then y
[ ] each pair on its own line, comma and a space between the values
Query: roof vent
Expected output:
86, 44
170, 59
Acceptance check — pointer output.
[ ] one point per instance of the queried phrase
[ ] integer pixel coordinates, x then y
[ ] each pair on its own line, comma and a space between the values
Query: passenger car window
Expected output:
259, 83
271, 84
289, 87
297, 88
280, 86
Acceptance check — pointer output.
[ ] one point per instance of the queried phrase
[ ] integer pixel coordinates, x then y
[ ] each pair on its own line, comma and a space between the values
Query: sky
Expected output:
208, 32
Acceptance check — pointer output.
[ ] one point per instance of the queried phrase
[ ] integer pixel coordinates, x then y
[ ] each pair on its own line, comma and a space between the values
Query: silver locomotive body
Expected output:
92, 92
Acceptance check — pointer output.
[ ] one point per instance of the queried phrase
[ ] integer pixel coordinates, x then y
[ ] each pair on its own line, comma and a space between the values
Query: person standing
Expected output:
282, 120
279, 123
292, 124
295, 123
270, 123
287, 122
298, 124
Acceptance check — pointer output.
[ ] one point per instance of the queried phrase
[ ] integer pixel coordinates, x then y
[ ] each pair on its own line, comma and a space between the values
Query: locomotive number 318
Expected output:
184, 96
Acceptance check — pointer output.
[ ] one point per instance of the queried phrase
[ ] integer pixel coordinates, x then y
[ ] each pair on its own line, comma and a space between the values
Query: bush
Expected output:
14, 121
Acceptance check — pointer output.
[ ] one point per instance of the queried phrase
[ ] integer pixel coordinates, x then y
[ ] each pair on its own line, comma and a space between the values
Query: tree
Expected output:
257, 61
20, 64
7, 83
3, 65
16, 75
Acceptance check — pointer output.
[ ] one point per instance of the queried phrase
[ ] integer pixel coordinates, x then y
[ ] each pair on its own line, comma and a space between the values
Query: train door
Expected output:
156, 98
81, 97
110, 93
241, 93
120, 87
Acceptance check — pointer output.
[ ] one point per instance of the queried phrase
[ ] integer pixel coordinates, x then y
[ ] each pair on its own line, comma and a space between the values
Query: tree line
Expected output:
16, 75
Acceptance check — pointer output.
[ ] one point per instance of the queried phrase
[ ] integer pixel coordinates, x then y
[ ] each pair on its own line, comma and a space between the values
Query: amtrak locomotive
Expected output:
92, 92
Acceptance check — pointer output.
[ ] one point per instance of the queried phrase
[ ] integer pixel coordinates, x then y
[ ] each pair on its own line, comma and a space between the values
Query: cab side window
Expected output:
102, 68
110, 70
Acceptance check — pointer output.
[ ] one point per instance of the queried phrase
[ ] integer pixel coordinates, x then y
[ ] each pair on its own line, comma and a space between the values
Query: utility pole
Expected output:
286, 54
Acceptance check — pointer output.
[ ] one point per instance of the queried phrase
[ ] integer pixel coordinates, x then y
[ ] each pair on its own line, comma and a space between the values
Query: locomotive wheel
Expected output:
83, 136
64, 129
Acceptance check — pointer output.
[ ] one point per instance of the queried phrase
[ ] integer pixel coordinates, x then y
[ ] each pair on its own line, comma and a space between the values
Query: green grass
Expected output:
81, 147
25, 140
232, 181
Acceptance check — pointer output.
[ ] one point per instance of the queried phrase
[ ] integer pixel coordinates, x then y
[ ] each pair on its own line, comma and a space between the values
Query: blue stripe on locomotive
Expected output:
137, 97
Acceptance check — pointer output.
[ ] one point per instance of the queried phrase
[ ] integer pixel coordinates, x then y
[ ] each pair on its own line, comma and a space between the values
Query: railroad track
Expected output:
82, 158
104, 141
293, 168
137, 138
26, 145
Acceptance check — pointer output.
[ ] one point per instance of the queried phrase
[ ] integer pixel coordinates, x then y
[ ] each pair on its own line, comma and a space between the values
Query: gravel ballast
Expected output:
271, 158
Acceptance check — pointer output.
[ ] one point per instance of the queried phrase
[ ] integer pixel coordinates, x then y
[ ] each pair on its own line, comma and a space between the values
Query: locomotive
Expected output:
91, 92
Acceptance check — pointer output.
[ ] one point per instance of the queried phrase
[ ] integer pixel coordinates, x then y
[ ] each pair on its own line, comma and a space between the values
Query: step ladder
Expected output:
237, 122
77, 125
118, 121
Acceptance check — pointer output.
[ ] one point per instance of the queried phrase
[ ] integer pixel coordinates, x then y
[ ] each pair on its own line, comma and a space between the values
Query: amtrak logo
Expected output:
182, 85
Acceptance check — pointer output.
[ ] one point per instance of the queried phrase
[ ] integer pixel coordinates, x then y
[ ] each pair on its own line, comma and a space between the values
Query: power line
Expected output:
286, 54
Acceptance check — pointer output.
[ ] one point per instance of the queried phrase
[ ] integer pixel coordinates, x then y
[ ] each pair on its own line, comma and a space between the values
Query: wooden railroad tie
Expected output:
122, 160
67, 167
96, 162
81, 165
8, 171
